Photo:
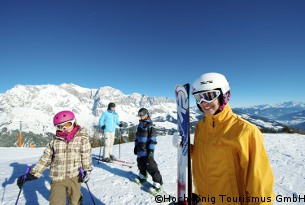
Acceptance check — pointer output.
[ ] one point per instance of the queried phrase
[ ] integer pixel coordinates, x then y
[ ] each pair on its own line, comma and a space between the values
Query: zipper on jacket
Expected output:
67, 146
213, 123
113, 120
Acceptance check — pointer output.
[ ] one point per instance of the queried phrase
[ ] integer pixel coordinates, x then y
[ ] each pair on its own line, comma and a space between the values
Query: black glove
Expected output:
150, 153
86, 175
103, 127
135, 150
21, 180
120, 125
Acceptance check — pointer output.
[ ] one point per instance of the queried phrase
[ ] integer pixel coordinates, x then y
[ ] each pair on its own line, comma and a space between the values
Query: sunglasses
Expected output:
208, 96
66, 125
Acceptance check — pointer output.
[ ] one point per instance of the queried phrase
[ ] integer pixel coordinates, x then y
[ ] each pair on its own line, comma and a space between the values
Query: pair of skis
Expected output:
121, 162
184, 189
148, 187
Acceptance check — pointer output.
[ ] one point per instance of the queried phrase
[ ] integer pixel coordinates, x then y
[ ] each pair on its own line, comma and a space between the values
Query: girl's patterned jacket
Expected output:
64, 158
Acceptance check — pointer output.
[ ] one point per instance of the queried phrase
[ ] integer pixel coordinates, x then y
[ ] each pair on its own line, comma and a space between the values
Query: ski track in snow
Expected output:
112, 183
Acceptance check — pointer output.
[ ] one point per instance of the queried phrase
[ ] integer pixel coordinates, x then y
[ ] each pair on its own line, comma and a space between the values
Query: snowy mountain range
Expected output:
32, 108
274, 111
287, 113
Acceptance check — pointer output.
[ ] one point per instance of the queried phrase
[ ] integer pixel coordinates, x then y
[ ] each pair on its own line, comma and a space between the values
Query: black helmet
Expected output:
111, 105
143, 111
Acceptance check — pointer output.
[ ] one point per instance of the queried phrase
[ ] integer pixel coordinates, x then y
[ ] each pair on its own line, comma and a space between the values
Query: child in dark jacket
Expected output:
144, 149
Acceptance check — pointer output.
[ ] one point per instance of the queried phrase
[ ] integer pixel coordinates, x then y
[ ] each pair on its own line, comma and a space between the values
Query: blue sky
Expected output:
149, 46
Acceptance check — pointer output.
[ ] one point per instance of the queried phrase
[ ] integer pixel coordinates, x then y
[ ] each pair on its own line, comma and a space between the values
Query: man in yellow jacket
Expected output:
229, 162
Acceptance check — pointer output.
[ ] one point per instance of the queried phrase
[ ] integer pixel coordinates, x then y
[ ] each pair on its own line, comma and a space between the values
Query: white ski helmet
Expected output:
213, 81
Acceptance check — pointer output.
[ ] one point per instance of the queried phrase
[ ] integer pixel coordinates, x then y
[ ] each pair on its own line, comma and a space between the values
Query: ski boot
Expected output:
112, 157
155, 188
108, 160
140, 179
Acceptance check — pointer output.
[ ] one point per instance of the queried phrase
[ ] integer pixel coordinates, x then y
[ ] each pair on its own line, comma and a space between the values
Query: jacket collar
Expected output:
147, 120
224, 115
111, 111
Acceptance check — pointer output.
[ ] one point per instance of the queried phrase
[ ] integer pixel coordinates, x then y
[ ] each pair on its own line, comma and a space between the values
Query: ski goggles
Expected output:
66, 125
140, 114
207, 96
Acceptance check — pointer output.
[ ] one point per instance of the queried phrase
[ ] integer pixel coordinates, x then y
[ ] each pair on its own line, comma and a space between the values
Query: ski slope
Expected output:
111, 183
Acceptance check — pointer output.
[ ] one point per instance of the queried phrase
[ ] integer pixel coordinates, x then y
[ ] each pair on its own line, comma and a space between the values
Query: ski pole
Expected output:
99, 157
124, 124
24, 178
3, 190
83, 175
120, 138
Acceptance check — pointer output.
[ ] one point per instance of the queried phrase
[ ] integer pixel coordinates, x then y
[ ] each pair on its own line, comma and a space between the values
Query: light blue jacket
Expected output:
110, 119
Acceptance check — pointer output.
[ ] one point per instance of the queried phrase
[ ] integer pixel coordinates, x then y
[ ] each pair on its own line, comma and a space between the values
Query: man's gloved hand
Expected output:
176, 139
87, 174
135, 150
121, 125
150, 153
103, 127
22, 179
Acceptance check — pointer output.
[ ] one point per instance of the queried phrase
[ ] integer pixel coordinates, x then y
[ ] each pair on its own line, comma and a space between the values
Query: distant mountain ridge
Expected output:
287, 113
273, 111
292, 118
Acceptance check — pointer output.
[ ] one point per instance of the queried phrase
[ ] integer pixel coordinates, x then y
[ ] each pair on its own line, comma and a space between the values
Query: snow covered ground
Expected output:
110, 183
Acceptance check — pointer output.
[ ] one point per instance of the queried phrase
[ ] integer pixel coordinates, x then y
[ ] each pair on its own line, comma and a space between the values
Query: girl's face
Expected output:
210, 108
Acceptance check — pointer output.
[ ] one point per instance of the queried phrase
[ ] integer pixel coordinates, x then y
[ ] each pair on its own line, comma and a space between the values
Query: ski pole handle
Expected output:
24, 176
27, 171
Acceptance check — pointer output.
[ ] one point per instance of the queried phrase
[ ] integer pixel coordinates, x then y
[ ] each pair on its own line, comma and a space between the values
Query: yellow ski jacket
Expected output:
229, 162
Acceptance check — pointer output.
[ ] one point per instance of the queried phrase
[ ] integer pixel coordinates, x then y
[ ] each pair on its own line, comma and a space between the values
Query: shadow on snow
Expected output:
31, 188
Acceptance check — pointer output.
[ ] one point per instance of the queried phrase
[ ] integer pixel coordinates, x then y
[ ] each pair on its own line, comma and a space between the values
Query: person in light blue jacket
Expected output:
108, 122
